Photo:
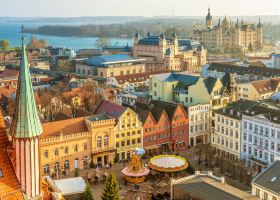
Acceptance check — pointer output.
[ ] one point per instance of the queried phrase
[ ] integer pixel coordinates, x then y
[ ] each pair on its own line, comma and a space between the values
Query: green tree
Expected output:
87, 195
76, 172
111, 188
4, 45
102, 42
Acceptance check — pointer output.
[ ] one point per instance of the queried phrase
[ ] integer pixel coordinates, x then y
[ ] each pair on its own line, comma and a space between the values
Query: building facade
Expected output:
258, 90
261, 136
168, 54
229, 37
199, 124
111, 65
165, 126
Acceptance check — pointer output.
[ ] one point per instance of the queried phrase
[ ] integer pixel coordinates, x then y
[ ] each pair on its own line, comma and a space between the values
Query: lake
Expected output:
11, 32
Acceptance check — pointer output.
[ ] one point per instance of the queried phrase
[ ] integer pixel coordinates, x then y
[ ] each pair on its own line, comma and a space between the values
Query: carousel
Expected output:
168, 163
135, 172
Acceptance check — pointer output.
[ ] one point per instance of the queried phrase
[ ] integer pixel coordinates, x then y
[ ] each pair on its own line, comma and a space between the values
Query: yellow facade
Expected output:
128, 133
102, 139
69, 144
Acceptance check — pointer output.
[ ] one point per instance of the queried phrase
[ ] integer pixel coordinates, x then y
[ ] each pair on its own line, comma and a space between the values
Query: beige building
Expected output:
168, 54
258, 90
229, 36
110, 65
227, 133
266, 185
74, 143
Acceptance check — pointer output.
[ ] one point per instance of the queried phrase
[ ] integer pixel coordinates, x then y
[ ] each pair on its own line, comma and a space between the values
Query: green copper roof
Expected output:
26, 122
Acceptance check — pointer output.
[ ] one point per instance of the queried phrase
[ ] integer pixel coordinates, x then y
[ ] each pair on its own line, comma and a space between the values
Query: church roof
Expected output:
26, 122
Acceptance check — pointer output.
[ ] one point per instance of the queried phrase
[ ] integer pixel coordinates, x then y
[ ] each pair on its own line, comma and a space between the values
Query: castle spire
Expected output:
26, 122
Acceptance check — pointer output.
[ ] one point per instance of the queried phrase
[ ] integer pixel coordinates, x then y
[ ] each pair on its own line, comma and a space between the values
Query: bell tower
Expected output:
25, 131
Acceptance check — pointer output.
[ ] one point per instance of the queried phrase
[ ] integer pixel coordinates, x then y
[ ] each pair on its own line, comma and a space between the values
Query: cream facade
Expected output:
168, 54
258, 90
199, 124
229, 37
227, 133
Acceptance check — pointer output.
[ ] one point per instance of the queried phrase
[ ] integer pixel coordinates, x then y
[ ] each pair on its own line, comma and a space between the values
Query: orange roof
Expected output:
267, 85
7, 91
68, 126
9, 185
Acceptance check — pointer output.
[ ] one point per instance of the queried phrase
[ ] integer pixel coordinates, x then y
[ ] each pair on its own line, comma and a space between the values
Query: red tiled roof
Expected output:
266, 86
68, 126
9, 73
134, 78
9, 185
111, 109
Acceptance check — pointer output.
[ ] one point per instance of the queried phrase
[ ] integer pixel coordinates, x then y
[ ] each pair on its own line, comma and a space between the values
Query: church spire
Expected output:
26, 122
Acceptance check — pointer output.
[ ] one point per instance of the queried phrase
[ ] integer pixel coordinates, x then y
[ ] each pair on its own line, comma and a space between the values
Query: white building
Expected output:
266, 185
199, 124
260, 136
226, 136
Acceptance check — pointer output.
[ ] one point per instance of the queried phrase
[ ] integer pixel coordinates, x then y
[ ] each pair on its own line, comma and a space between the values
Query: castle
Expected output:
228, 36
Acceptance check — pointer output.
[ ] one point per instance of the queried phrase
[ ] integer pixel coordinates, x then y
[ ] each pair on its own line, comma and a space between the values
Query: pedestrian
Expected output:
110, 164
107, 166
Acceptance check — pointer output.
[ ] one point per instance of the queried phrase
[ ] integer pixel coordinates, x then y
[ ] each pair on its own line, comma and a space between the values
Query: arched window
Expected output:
46, 169
66, 164
106, 140
99, 140
56, 152
66, 150
56, 166
76, 148
46, 154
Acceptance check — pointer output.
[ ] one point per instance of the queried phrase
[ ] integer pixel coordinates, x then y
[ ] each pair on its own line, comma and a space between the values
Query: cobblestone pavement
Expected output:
190, 155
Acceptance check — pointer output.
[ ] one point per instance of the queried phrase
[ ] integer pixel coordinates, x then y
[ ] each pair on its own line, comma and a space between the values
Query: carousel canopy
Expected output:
168, 163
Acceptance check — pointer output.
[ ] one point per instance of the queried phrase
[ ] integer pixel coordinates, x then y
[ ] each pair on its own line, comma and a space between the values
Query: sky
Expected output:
75, 8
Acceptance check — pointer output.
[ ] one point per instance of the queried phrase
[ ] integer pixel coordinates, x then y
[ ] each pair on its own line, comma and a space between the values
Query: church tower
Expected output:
209, 20
25, 131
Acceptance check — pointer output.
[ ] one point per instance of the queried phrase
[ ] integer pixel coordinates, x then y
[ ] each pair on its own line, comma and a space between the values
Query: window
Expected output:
133, 141
99, 141
257, 192
106, 140
46, 154
128, 142
123, 143
264, 196
76, 148
117, 144
117, 136
85, 146
155, 93
56, 152
46, 169
66, 165
155, 84
66, 150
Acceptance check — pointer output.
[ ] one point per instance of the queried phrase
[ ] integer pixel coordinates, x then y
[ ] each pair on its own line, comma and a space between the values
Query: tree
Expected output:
87, 195
102, 42
4, 45
34, 43
111, 188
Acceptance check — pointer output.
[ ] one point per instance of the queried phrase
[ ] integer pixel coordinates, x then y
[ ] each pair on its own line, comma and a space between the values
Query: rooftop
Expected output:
110, 109
99, 117
269, 178
65, 127
105, 60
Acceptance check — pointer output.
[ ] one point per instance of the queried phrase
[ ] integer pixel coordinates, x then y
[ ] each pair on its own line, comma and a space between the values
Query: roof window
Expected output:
273, 179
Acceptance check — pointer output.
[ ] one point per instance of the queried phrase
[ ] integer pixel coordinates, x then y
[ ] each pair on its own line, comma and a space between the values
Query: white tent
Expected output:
71, 185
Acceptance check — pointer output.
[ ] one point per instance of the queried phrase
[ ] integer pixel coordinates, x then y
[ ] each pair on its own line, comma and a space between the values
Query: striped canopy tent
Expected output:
168, 163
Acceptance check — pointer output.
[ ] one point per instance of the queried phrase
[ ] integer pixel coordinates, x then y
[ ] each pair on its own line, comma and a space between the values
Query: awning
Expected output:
151, 147
258, 162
